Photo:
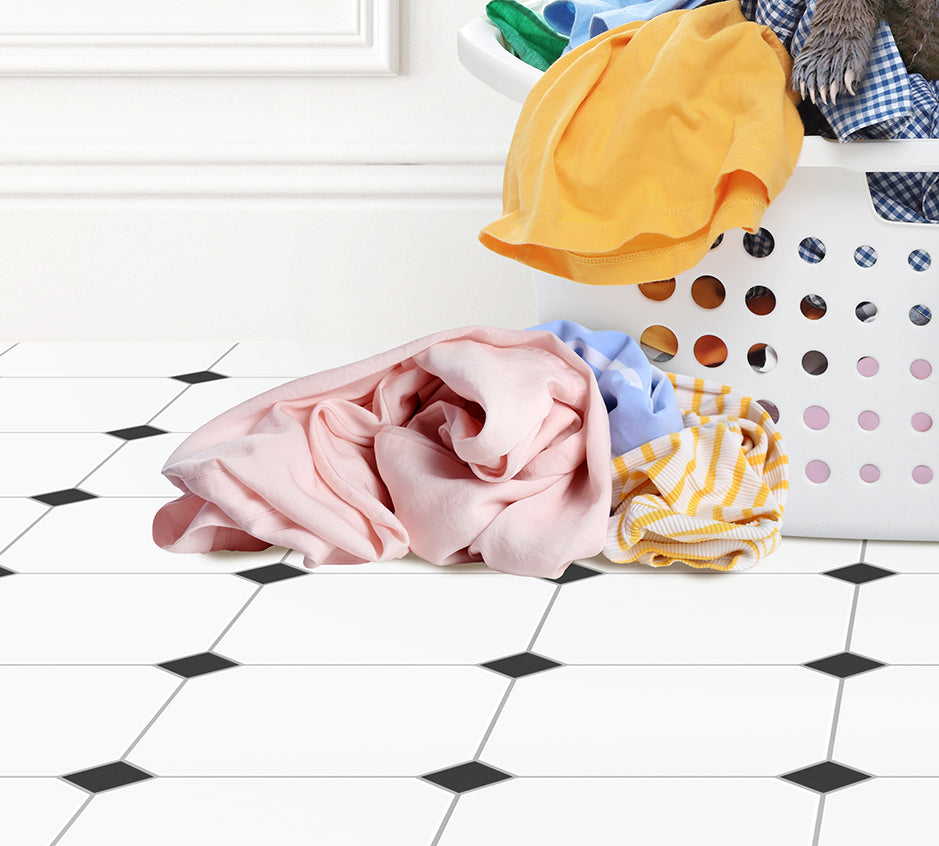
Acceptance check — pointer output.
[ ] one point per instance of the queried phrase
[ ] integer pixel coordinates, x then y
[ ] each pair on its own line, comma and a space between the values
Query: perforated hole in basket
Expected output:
710, 351
920, 315
658, 291
865, 256
708, 291
868, 366
659, 343
868, 420
817, 471
762, 358
812, 250
771, 409
921, 421
760, 300
814, 362
921, 369
919, 260
759, 244
866, 311
813, 307
816, 417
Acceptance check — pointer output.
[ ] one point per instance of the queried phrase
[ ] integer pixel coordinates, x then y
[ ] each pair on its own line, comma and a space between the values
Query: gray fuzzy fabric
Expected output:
834, 58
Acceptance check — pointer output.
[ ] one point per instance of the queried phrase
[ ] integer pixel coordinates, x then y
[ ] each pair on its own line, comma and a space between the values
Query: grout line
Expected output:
492, 722
445, 820
229, 351
183, 391
100, 465
9, 348
851, 618
525, 776
75, 816
863, 556
44, 514
834, 719
818, 819
544, 617
235, 618
153, 719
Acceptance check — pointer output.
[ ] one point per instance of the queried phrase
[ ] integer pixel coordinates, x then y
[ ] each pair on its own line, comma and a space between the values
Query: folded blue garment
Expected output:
583, 19
639, 397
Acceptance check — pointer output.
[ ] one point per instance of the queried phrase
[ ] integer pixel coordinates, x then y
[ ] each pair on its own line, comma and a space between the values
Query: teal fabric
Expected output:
530, 38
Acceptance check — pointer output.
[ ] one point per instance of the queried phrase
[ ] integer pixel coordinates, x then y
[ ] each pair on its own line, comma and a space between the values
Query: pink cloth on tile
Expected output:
470, 444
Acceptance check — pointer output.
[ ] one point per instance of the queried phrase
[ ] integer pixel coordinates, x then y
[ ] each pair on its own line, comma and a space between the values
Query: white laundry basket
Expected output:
851, 357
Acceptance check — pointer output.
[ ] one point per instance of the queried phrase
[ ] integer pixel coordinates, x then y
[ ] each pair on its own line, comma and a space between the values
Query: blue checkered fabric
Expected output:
865, 256
889, 103
812, 250
759, 244
919, 260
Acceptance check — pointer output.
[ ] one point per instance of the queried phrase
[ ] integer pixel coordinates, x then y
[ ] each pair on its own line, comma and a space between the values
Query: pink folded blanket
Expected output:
470, 444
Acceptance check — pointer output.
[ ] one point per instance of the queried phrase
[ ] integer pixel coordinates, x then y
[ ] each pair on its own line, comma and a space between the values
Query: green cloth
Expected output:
530, 38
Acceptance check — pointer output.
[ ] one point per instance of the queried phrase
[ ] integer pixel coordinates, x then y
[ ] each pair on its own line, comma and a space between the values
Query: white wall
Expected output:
247, 169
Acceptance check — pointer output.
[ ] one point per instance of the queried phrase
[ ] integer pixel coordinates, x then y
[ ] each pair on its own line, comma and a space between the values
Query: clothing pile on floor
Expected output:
524, 449
889, 103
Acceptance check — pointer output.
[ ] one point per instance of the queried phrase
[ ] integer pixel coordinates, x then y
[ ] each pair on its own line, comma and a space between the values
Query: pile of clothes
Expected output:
889, 103
524, 449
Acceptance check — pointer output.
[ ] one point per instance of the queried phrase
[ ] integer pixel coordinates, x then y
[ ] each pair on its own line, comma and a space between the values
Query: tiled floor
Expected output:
151, 698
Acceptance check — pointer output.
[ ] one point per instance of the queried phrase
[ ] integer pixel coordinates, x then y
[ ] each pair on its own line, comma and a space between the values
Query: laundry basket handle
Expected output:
872, 156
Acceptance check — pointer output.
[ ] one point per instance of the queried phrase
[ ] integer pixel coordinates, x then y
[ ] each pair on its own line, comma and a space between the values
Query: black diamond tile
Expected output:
107, 777
825, 777
5, 572
573, 573
844, 664
65, 497
197, 665
199, 376
272, 573
135, 432
523, 664
465, 777
859, 573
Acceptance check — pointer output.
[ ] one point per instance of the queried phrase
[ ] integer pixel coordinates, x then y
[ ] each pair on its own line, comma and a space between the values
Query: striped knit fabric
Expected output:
712, 495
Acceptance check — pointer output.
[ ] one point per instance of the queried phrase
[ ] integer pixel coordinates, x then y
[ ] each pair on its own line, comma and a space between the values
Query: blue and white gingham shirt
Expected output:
889, 103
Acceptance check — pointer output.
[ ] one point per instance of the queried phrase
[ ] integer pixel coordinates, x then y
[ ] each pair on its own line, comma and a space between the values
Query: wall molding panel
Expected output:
246, 171
329, 47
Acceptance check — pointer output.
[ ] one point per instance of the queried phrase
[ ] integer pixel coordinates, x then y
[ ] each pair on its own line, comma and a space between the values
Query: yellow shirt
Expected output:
634, 151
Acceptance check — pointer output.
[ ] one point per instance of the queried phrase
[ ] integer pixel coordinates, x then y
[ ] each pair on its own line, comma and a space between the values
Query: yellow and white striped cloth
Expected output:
712, 495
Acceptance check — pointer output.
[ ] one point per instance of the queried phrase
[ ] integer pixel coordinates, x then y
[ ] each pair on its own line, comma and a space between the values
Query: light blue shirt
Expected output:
639, 397
583, 20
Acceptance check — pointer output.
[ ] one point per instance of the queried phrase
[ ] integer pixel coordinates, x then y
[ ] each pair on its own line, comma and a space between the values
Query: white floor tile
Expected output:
248, 812
465, 619
897, 621
881, 810
887, 722
709, 618
16, 515
336, 721
82, 405
135, 469
202, 402
58, 720
34, 810
115, 619
105, 358
292, 359
114, 536
664, 721
40, 463
904, 556
650, 812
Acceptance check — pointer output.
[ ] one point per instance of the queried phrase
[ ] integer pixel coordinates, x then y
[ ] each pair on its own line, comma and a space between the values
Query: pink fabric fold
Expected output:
473, 444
